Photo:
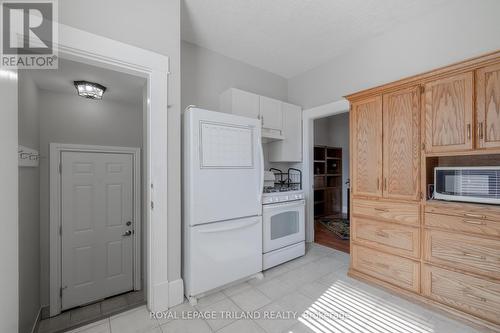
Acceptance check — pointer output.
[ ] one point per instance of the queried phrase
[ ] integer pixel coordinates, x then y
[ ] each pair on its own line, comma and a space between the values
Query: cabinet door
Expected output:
290, 148
271, 113
401, 118
448, 114
366, 143
244, 103
488, 106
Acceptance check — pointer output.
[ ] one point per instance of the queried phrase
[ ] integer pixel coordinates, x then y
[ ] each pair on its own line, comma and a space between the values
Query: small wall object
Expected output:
27, 157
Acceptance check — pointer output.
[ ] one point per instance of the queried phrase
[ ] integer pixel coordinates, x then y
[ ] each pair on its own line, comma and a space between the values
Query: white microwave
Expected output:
469, 184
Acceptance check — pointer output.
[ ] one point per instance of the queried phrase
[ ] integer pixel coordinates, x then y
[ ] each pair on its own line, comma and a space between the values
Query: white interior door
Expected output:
97, 226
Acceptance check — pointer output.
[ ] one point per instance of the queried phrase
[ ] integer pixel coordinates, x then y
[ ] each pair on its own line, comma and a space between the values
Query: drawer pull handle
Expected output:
385, 266
475, 215
482, 299
385, 210
474, 222
470, 255
382, 234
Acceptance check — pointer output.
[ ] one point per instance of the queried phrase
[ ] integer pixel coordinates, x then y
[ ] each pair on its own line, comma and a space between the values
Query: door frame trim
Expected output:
56, 149
85, 47
308, 117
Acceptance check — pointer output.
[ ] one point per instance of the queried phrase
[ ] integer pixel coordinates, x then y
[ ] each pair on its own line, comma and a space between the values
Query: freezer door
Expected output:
223, 252
223, 167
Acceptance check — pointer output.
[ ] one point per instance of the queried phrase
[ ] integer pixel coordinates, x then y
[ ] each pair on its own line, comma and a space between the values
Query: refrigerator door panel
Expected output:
223, 252
223, 165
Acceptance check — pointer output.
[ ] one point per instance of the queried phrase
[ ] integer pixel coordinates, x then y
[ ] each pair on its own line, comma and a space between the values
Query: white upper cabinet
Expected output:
271, 114
240, 102
281, 122
290, 148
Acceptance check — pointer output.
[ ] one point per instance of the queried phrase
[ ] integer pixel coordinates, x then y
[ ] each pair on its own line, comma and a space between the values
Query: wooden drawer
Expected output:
402, 272
466, 293
395, 238
472, 254
390, 211
464, 224
465, 210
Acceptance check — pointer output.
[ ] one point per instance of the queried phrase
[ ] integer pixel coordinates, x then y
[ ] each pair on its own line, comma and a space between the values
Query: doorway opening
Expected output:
82, 192
331, 181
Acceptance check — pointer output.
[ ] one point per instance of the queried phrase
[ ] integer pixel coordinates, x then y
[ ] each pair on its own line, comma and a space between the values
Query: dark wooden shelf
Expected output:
327, 180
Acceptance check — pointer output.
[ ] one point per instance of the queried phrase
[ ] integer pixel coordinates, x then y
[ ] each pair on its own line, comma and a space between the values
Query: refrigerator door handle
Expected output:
260, 190
229, 228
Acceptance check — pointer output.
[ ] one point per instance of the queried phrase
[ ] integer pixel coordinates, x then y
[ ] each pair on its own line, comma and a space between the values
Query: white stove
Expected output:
283, 222
281, 196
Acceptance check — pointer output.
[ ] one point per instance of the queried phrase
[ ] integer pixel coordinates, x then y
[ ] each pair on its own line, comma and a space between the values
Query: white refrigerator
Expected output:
223, 179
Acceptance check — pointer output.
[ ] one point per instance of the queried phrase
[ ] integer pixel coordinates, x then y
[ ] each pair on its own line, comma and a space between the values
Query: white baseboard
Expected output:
37, 319
175, 292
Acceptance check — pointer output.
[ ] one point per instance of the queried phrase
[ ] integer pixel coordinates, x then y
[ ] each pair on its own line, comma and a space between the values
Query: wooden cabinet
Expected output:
449, 255
470, 253
388, 211
366, 143
488, 106
290, 148
448, 106
401, 272
389, 237
401, 144
271, 114
463, 292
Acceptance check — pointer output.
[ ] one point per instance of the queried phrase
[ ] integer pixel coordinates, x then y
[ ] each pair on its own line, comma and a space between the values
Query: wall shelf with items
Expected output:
327, 181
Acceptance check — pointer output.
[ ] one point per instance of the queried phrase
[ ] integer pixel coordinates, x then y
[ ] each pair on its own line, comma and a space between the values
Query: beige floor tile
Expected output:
236, 289
221, 309
210, 299
101, 326
250, 300
242, 326
134, 321
186, 326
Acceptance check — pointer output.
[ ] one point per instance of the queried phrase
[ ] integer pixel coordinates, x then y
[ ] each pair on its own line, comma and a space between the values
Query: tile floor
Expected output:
90, 313
315, 287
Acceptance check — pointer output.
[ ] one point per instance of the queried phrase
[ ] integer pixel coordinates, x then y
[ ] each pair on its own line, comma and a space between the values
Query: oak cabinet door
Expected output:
366, 141
401, 119
488, 106
449, 113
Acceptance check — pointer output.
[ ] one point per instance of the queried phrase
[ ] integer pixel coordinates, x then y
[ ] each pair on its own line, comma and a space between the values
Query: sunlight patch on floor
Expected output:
345, 308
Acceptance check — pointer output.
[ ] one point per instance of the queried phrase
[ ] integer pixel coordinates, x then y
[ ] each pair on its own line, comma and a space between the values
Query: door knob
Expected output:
128, 223
127, 233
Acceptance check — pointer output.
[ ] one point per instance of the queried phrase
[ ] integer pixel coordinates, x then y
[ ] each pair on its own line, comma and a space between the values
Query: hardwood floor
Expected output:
325, 237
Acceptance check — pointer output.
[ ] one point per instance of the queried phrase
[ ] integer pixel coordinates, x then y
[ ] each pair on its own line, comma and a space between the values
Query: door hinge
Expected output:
60, 167
423, 145
60, 230
421, 195
152, 205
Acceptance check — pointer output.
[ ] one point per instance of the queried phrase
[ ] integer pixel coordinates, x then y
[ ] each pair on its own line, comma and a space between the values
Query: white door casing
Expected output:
81, 46
97, 219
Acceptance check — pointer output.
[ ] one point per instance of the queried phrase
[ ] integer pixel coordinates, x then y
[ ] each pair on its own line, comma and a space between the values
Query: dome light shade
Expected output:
89, 89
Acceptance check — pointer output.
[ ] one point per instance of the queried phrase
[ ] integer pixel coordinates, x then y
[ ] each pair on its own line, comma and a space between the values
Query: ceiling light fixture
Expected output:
89, 89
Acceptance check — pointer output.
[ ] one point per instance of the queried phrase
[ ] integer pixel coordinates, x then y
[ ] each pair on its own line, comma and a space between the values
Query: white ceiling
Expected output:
288, 37
121, 87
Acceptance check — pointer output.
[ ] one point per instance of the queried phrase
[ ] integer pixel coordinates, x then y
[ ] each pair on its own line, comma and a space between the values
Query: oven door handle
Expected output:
296, 203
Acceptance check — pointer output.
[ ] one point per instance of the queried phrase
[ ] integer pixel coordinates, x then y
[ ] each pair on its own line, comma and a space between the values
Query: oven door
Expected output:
283, 224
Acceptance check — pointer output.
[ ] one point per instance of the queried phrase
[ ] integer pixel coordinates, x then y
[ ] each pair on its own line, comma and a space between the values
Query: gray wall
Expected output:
68, 118
334, 131
206, 74
453, 32
29, 208
152, 25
